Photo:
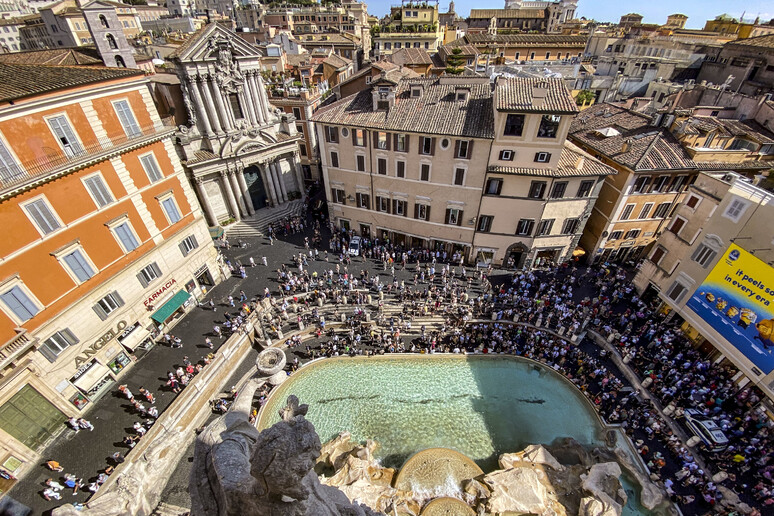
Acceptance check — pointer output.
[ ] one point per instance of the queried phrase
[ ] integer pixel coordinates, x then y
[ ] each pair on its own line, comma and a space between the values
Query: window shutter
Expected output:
537, 156
456, 148
117, 298
46, 352
499, 187
448, 214
395, 140
389, 208
406, 140
357, 200
141, 278
156, 269
395, 206
432, 146
335, 134
470, 150
427, 212
183, 249
416, 211
389, 142
194, 242
100, 312
459, 218
375, 134
354, 137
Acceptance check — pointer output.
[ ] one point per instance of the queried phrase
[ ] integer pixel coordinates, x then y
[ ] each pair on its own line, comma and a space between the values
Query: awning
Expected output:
216, 232
134, 337
89, 379
168, 308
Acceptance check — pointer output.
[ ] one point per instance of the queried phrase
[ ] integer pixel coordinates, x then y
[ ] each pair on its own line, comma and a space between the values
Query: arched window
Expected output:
111, 41
103, 21
120, 62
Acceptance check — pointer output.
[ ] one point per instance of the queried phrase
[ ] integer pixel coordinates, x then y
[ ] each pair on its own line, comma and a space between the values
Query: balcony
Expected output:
15, 347
54, 163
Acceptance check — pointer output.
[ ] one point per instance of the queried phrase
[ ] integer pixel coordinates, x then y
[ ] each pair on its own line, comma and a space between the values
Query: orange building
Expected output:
104, 244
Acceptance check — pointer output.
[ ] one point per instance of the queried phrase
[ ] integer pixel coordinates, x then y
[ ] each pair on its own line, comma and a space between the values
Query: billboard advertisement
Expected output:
737, 300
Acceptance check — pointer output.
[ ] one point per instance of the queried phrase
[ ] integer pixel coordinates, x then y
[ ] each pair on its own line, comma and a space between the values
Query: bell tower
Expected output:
108, 35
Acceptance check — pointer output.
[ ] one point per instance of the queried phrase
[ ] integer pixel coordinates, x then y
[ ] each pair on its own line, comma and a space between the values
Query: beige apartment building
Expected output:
723, 223
451, 163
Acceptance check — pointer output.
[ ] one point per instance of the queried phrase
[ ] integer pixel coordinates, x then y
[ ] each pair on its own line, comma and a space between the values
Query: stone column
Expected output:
237, 192
280, 181
209, 214
222, 114
227, 109
199, 106
268, 183
240, 174
229, 194
247, 109
250, 100
260, 107
295, 166
213, 112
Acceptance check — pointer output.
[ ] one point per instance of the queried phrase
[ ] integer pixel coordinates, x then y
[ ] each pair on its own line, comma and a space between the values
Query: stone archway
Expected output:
255, 187
515, 256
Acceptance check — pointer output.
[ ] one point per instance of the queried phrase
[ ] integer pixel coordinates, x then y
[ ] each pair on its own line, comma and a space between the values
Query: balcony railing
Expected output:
56, 161
15, 347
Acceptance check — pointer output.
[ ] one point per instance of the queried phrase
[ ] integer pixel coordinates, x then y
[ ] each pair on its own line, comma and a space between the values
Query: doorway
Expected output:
30, 417
255, 187
515, 256
365, 230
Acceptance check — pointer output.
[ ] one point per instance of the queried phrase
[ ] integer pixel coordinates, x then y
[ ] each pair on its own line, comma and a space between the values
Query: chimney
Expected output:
625, 145
539, 94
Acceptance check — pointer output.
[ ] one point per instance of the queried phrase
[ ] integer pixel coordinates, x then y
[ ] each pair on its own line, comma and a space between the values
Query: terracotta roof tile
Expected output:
552, 40
411, 56
519, 95
58, 56
19, 81
435, 112
571, 157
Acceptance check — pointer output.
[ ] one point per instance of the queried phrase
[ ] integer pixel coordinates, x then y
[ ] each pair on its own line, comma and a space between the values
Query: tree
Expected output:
454, 63
584, 97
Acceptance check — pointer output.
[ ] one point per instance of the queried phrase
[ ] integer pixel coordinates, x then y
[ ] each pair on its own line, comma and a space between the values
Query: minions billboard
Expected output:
737, 300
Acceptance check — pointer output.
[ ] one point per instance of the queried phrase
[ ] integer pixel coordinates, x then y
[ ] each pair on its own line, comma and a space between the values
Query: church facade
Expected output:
240, 153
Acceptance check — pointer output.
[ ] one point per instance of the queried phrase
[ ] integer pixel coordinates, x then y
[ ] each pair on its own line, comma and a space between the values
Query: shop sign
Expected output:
159, 292
80, 360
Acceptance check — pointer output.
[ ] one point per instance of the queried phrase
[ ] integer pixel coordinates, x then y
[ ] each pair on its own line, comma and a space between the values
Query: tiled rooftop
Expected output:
572, 156
58, 56
411, 56
519, 95
550, 40
507, 13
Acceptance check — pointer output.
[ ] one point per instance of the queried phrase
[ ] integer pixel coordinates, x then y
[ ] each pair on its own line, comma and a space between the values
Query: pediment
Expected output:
209, 43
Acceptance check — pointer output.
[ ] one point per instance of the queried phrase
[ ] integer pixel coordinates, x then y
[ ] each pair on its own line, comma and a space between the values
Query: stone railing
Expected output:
15, 347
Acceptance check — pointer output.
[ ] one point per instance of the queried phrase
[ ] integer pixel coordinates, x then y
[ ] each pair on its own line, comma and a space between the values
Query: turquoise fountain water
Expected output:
481, 406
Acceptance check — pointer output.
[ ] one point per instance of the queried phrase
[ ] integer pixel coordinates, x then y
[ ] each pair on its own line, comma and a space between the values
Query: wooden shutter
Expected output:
395, 206
395, 140
448, 214
416, 211
141, 278
470, 150
100, 312
537, 156
388, 206
459, 218
357, 200
407, 143
376, 139
354, 137
432, 146
335, 134
427, 212
183, 250
156, 269
457, 148
388, 141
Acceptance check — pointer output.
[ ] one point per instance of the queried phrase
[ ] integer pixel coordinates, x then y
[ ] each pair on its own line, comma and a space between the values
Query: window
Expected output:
126, 237
103, 21
524, 227
506, 155
360, 162
537, 189
570, 226
363, 201
645, 210
400, 169
297, 113
658, 254
641, 184
616, 235
544, 228
627, 212
78, 265
302, 149
111, 41
459, 176
98, 191
19, 303
9, 169
64, 133
188, 244
151, 168
662, 210
445, 143
148, 274
514, 125
677, 291
678, 184
108, 304
704, 255
398, 45
584, 190
236, 106
401, 143
399, 207
382, 166
422, 211
735, 210
170, 208
461, 95
331, 134
381, 140
677, 225
485, 223
693, 201
358, 137
425, 172
453, 216
462, 149
557, 192
42, 216
427, 146
334, 159
338, 196
382, 204
632, 233
542, 157
659, 185
549, 126
126, 117
53, 346
494, 186
548, 55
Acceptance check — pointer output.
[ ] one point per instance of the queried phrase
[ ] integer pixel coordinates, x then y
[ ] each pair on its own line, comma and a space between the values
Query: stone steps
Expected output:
256, 225
167, 509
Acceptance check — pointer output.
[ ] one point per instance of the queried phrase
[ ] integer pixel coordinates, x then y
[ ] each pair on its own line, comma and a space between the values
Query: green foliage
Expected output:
454, 63
584, 97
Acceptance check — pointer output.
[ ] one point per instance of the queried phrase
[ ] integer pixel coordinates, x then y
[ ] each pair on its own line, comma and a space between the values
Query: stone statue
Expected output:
238, 470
